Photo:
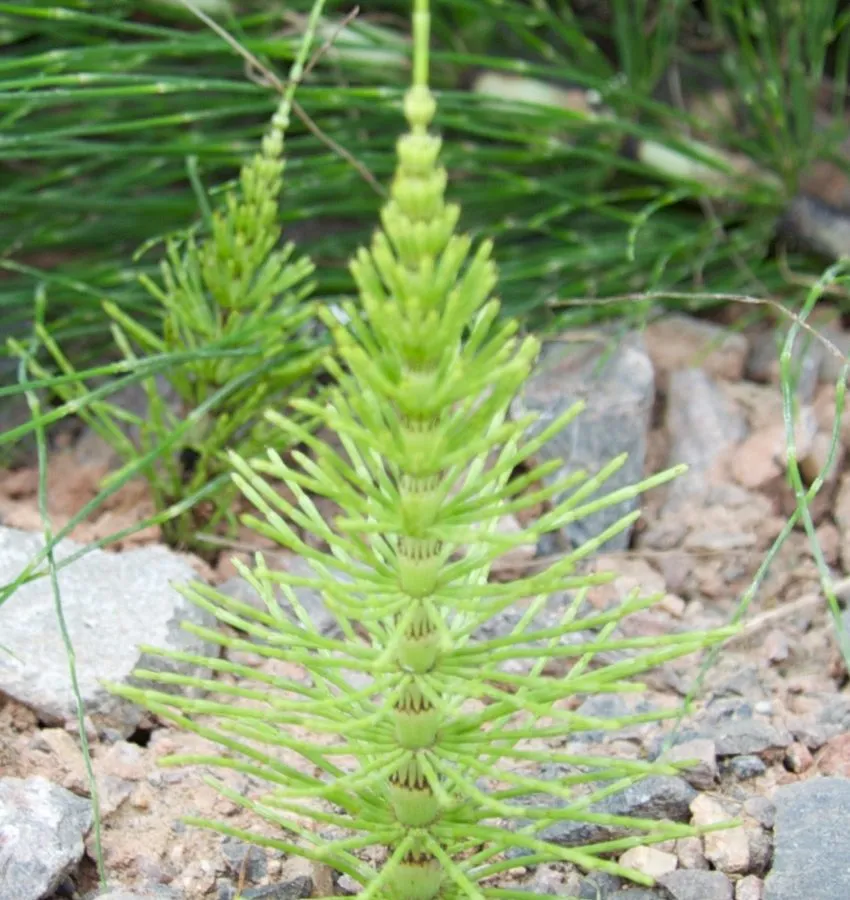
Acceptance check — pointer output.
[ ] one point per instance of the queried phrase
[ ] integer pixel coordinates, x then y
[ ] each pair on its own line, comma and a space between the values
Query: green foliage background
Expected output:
110, 110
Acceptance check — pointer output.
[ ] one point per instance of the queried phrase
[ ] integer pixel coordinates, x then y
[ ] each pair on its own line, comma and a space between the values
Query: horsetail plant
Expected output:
409, 752
241, 302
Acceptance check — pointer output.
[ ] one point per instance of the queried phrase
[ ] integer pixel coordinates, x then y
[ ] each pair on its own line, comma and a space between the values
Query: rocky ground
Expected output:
770, 727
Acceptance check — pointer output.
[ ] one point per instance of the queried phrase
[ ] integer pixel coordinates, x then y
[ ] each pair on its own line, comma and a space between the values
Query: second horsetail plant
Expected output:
409, 753
234, 312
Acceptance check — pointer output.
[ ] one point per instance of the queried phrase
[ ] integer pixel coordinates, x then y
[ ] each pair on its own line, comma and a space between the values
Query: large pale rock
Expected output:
112, 602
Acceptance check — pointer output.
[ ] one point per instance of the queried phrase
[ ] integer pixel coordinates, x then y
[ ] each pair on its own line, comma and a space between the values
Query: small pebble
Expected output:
242, 858
689, 853
762, 810
650, 861
728, 849
798, 758
761, 849
224, 889
703, 752
746, 767
347, 885
749, 888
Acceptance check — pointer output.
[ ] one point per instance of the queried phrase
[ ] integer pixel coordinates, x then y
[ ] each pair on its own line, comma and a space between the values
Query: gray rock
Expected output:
807, 358
241, 857
618, 385
695, 884
296, 889
225, 889
159, 892
702, 752
654, 797
811, 854
599, 886
638, 894
761, 849
42, 829
762, 810
739, 737
611, 706
836, 712
702, 423
111, 602
312, 601
745, 767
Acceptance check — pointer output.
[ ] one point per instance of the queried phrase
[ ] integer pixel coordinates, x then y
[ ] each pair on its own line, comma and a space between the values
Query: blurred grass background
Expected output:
623, 179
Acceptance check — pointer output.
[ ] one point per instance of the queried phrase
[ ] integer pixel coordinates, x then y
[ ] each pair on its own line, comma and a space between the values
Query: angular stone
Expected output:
684, 884
111, 602
811, 854
654, 797
751, 887
617, 384
703, 773
740, 737
242, 858
42, 831
649, 860
703, 424
296, 889
729, 849
746, 767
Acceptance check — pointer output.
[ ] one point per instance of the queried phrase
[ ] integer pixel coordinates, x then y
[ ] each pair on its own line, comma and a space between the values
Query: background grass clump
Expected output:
612, 148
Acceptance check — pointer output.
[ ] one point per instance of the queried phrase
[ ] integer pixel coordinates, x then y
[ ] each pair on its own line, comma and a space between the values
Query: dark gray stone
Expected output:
696, 884
761, 850
244, 858
745, 767
42, 829
225, 889
111, 602
298, 888
617, 382
740, 737
613, 707
811, 854
654, 797
599, 886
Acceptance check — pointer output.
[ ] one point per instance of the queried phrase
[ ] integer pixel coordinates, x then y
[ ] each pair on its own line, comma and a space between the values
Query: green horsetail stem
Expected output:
414, 737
